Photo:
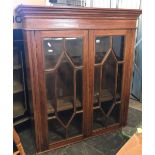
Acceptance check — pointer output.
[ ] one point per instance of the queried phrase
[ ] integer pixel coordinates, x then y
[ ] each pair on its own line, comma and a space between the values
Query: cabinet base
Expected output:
79, 138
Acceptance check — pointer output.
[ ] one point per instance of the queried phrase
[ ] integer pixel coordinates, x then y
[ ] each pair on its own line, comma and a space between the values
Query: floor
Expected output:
107, 144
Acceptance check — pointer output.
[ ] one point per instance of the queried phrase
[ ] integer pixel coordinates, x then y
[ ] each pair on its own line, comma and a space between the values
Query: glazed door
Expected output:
63, 83
108, 48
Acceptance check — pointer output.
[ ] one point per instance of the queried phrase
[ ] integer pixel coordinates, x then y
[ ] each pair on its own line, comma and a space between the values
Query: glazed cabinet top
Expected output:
49, 18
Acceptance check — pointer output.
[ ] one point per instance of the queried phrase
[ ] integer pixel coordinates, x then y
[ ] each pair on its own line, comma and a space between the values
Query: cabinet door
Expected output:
108, 48
62, 65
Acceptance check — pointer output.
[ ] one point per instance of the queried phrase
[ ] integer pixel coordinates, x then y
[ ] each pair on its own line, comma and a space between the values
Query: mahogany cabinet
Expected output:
79, 64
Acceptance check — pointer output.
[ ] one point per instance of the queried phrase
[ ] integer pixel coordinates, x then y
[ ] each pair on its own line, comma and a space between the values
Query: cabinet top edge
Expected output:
70, 12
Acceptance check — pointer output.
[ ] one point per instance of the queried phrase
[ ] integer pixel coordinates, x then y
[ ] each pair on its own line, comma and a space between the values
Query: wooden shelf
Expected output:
22, 120
63, 104
66, 103
18, 108
16, 67
105, 96
17, 87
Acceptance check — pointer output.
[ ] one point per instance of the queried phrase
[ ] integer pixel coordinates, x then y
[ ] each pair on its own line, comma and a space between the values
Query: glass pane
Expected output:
64, 88
108, 74
65, 80
113, 111
99, 119
102, 46
106, 115
75, 127
107, 92
50, 92
53, 48
57, 132
118, 46
74, 48
104, 77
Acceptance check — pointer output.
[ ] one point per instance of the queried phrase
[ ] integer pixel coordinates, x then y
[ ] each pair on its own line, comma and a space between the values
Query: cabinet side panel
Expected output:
42, 92
27, 63
127, 74
34, 100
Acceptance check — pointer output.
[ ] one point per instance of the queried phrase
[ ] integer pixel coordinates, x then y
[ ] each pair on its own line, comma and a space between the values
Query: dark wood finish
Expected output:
41, 140
82, 18
80, 138
61, 22
127, 74
91, 79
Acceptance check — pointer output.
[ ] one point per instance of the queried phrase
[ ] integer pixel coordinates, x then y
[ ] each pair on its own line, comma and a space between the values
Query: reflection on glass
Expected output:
74, 48
101, 46
53, 48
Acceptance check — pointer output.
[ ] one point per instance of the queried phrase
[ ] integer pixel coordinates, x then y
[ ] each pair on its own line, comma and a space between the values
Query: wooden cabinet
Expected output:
79, 64
20, 103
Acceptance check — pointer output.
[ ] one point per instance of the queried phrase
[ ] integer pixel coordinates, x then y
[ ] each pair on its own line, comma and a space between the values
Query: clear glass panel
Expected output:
113, 112
99, 119
64, 87
53, 48
75, 127
106, 115
50, 92
104, 77
118, 46
57, 132
74, 48
108, 74
107, 92
102, 46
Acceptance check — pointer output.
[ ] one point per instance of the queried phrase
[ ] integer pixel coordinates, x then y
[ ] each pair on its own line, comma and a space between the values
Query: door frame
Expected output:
39, 35
126, 73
